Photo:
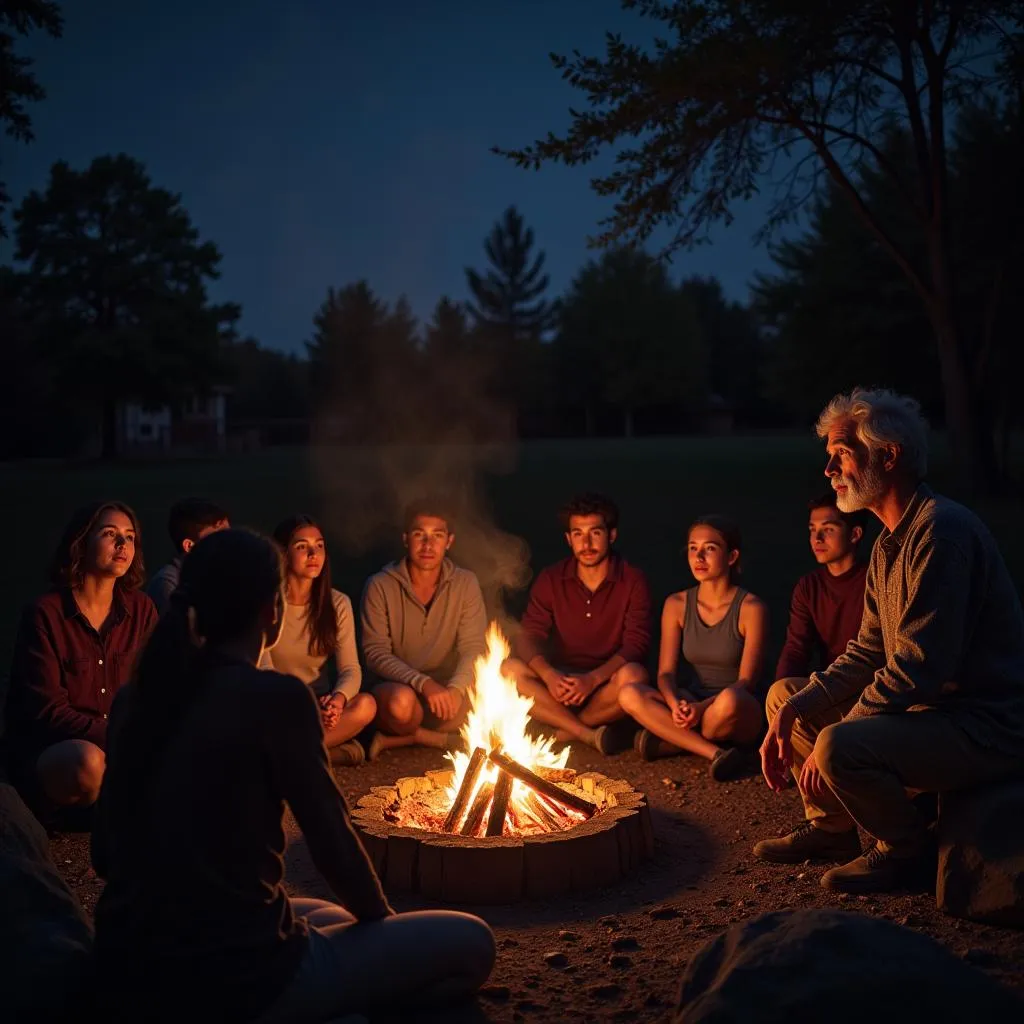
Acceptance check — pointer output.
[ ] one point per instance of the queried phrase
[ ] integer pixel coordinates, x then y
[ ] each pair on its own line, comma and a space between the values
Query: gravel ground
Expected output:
624, 949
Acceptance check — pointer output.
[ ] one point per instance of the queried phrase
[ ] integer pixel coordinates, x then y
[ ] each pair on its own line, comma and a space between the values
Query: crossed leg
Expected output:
400, 718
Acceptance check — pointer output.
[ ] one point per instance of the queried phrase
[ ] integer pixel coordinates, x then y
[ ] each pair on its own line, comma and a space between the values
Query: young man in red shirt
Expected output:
824, 617
587, 629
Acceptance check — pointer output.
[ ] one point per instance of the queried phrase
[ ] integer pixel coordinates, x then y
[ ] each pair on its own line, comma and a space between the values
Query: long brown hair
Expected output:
66, 566
321, 620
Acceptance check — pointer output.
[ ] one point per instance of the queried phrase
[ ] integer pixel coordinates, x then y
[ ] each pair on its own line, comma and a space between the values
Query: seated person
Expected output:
423, 627
586, 631
930, 694
190, 520
74, 649
720, 630
827, 604
205, 751
318, 640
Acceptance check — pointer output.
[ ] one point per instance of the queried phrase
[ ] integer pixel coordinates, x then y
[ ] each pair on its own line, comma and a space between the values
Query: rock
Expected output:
619, 961
606, 991
509, 943
981, 854
499, 993
783, 967
721, 902
613, 924
568, 936
663, 913
45, 935
556, 958
625, 942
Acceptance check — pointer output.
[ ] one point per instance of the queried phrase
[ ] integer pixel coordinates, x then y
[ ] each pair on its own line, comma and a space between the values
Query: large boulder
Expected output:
45, 935
981, 854
809, 965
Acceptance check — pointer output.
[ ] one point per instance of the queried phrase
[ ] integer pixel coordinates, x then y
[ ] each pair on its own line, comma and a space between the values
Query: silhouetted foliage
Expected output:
116, 287
706, 110
18, 83
629, 340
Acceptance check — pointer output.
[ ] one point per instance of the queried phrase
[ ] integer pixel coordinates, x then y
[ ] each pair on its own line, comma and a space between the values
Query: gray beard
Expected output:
864, 494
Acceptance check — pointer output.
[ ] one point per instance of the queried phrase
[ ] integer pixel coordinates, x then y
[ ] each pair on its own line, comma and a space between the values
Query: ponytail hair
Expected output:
226, 581
727, 529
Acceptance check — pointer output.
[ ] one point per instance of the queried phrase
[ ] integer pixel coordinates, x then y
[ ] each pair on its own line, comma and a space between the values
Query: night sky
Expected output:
320, 142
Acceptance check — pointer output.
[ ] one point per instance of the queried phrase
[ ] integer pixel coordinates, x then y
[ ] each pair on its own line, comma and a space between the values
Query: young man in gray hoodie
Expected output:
423, 626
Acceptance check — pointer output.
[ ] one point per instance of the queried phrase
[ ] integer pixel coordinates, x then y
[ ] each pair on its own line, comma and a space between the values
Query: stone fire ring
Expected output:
506, 869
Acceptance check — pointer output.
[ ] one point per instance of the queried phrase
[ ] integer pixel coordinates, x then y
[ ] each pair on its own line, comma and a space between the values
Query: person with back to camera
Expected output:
205, 751
707, 705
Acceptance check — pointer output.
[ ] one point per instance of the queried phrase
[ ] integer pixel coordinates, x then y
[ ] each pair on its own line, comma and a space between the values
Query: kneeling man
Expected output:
935, 675
423, 627
586, 631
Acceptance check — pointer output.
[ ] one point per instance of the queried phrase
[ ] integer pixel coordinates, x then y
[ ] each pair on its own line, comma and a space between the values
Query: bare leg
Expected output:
545, 708
735, 716
70, 773
648, 707
358, 714
603, 706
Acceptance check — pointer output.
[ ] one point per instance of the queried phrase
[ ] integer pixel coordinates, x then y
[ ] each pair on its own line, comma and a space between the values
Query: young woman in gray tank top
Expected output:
712, 649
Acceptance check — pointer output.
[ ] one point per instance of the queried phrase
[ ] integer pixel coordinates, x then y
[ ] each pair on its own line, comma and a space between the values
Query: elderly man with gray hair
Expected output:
930, 694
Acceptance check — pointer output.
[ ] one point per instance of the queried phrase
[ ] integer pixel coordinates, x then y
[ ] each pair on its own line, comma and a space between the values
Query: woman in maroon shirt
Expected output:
74, 649
205, 751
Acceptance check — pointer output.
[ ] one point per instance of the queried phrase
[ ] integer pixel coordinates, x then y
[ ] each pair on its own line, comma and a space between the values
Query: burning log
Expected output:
547, 789
476, 762
499, 807
475, 818
549, 821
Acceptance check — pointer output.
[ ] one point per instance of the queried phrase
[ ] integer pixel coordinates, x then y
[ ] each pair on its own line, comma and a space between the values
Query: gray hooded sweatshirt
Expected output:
405, 642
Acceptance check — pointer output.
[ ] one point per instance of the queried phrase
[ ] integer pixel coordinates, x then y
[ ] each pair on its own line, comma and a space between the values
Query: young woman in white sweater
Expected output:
319, 623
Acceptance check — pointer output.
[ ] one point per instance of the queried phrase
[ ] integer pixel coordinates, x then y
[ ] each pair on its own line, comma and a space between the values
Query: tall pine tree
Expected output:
508, 297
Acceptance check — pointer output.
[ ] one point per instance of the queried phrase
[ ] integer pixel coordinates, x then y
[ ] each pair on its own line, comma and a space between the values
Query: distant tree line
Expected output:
908, 271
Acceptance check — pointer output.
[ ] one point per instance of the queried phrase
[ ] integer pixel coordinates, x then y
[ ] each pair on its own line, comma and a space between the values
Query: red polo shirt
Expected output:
64, 674
577, 629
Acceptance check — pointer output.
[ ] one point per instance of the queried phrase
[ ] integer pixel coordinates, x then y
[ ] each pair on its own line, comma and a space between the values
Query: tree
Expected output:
628, 339
739, 84
364, 364
18, 85
508, 298
116, 282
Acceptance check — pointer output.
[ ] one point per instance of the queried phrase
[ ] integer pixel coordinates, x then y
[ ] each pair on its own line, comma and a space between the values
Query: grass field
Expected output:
660, 485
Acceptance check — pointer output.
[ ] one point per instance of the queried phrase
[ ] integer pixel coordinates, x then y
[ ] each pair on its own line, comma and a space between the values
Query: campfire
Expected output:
504, 782
508, 820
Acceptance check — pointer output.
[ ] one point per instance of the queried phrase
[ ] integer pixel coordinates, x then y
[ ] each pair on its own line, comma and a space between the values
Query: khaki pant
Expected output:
870, 763
826, 814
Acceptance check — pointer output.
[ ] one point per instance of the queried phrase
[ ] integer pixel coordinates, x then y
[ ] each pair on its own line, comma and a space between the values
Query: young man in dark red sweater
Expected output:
587, 629
824, 617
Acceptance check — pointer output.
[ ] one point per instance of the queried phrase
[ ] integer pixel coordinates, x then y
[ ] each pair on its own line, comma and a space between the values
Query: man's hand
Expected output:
444, 701
331, 707
812, 783
777, 749
558, 685
687, 714
578, 688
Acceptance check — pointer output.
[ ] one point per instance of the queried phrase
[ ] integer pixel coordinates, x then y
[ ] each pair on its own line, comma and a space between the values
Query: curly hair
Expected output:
66, 566
590, 504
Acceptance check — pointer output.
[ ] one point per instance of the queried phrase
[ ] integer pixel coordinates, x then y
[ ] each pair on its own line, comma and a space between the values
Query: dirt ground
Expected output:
625, 948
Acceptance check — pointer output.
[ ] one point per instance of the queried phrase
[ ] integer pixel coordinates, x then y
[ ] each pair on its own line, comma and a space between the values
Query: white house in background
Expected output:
199, 424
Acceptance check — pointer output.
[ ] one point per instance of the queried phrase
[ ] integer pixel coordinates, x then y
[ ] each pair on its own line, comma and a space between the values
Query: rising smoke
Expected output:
432, 429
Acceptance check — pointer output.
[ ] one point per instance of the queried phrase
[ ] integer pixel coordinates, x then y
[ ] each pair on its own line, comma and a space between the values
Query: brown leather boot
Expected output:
878, 871
806, 842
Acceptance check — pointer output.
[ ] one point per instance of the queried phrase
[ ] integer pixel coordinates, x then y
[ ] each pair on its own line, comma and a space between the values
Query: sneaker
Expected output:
347, 755
732, 763
650, 746
806, 842
878, 871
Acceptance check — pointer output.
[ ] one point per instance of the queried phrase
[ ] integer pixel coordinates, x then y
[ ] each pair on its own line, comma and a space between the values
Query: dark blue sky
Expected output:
320, 141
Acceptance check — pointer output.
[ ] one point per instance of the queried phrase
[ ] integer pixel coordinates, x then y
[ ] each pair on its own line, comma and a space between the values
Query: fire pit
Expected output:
508, 820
